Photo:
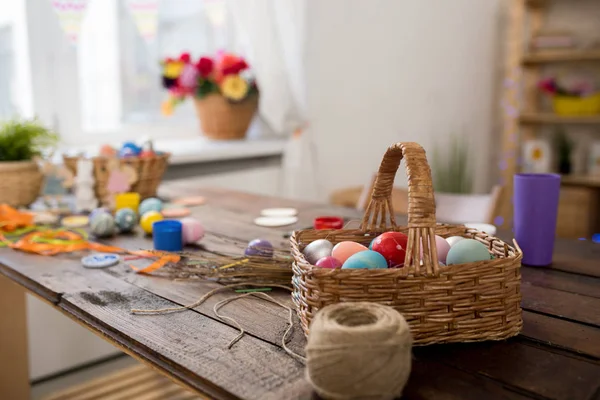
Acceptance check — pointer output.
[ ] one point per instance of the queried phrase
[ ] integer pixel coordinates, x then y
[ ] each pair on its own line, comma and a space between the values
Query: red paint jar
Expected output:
328, 223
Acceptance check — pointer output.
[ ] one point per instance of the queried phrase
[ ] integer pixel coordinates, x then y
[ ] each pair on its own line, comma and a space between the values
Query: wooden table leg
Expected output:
14, 368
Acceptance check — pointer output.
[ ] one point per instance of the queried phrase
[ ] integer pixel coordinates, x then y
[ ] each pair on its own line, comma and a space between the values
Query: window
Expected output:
116, 92
7, 108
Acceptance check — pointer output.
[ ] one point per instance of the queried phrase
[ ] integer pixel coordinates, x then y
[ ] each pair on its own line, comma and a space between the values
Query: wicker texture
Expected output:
149, 171
20, 182
222, 120
458, 303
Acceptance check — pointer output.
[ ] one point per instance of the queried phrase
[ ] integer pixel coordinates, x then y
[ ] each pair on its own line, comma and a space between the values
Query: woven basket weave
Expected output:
457, 303
149, 171
223, 120
20, 182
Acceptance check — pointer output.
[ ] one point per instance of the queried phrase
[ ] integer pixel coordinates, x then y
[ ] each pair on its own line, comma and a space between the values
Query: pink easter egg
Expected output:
191, 230
329, 262
443, 247
343, 250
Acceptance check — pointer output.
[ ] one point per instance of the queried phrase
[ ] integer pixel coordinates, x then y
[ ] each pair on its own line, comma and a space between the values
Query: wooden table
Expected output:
557, 356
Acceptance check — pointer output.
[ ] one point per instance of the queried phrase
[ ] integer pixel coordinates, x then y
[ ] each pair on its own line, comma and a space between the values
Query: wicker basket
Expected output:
149, 170
20, 182
223, 120
458, 303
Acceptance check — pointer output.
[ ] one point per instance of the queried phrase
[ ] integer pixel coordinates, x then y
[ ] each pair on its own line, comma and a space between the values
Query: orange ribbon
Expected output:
11, 219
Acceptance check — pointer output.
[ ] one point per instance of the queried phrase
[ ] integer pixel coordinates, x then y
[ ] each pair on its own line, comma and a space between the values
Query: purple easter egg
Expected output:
329, 262
259, 248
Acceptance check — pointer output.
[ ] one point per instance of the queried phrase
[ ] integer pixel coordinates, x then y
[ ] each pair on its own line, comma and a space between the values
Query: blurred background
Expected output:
340, 81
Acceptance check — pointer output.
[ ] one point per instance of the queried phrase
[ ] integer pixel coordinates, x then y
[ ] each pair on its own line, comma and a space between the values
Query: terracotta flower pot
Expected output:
222, 120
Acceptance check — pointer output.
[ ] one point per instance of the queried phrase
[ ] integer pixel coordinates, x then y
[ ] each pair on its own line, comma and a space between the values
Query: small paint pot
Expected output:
127, 200
167, 235
328, 223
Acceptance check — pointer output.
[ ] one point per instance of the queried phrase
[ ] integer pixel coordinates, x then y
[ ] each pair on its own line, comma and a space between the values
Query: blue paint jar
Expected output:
166, 235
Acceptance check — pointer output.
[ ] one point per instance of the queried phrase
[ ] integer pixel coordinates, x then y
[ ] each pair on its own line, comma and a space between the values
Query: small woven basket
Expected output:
457, 303
150, 171
222, 120
21, 182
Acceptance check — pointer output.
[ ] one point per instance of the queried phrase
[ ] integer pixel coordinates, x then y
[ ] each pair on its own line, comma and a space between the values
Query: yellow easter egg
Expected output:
148, 219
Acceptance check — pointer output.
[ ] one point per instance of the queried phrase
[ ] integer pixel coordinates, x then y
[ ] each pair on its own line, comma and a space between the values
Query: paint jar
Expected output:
166, 235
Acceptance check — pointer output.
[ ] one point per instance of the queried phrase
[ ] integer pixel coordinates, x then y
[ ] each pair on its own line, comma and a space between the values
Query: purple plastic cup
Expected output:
535, 212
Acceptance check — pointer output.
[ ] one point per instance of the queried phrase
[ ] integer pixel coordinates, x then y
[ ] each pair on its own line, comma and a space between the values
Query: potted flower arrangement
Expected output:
577, 100
224, 93
21, 143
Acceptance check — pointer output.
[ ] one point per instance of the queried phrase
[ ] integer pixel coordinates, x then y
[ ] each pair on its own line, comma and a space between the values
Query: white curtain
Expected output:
272, 34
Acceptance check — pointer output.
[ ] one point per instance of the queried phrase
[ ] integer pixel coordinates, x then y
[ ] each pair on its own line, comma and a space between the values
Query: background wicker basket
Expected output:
150, 171
21, 182
222, 120
458, 303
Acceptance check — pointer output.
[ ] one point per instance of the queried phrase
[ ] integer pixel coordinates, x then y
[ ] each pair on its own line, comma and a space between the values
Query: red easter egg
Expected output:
392, 246
147, 154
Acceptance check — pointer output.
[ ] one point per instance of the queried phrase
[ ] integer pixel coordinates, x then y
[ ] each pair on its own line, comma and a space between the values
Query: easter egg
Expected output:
97, 211
368, 259
259, 248
147, 154
452, 240
191, 230
328, 262
151, 204
108, 151
103, 225
126, 219
316, 250
148, 219
129, 149
467, 251
392, 246
343, 250
371, 244
442, 248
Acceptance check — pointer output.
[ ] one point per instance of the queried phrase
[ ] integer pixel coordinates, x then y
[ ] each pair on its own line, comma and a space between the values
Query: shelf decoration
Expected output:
536, 156
594, 160
145, 17
224, 91
70, 15
580, 99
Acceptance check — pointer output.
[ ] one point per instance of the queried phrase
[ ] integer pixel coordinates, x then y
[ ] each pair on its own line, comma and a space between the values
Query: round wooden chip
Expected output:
75, 221
279, 212
190, 201
275, 221
176, 212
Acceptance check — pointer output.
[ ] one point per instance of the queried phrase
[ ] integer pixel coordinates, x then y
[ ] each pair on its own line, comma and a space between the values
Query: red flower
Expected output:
205, 66
185, 57
236, 68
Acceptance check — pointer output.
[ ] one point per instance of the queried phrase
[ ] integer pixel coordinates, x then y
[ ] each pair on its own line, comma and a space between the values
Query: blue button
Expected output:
100, 260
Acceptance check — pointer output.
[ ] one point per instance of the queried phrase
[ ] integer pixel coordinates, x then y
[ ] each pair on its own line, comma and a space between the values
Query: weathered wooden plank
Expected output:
531, 369
559, 280
567, 305
569, 335
188, 345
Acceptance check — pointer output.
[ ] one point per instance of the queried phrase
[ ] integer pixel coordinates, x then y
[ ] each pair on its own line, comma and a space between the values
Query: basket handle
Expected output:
421, 205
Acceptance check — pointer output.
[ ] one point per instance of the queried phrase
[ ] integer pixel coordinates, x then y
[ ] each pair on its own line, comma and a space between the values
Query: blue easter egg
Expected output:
151, 204
467, 251
365, 259
126, 219
103, 225
129, 149
371, 244
101, 210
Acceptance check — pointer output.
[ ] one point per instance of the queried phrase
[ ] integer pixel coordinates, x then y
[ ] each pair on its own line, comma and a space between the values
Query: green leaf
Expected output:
450, 166
206, 87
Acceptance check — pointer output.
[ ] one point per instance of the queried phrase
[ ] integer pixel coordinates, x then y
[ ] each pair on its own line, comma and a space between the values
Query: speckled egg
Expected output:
151, 204
366, 259
343, 250
329, 262
452, 240
191, 230
467, 251
259, 248
392, 246
316, 250
97, 211
126, 219
103, 225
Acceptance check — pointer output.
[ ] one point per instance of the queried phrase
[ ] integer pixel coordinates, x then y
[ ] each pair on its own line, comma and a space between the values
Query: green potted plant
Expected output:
21, 143
451, 171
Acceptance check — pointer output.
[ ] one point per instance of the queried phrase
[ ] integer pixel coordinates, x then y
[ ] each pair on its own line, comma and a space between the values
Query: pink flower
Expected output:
205, 66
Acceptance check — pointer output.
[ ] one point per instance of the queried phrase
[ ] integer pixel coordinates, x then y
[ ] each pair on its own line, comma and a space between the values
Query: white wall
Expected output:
385, 71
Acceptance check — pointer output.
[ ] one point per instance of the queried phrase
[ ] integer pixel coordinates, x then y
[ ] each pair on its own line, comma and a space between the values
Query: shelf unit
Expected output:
522, 114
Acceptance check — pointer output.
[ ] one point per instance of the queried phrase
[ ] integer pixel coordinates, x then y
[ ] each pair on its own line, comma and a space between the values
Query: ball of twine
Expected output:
358, 351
